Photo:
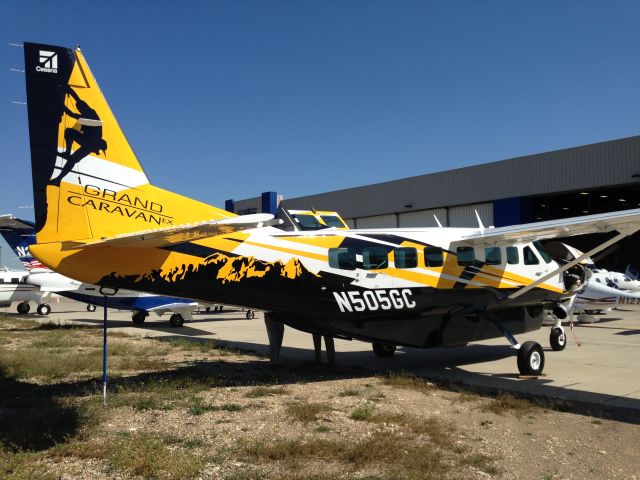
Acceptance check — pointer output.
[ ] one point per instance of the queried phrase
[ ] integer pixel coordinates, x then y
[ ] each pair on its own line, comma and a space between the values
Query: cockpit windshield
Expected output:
332, 221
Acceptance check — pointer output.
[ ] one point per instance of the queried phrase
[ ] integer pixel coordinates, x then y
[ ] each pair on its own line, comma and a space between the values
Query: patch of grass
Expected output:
306, 411
199, 406
407, 381
480, 461
349, 392
404, 458
596, 422
363, 412
263, 391
22, 466
231, 407
438, 431
202, 346
322, 429
505, 402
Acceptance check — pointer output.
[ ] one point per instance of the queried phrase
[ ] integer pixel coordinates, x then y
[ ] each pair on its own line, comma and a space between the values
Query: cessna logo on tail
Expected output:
48, 62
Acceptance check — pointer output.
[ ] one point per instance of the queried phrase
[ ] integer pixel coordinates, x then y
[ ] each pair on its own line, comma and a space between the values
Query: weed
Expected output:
198, 407
407, 381
349, 392
480, 461
596, 422
362, 412
437, 430
262, 391
322, 429
506, 402
306, 411
231, 407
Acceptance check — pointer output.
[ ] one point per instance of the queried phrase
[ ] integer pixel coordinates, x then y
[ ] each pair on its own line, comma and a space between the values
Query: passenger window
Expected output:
598, 280
342, 258
513, 257
529, 257
405, 257
374, 258
466, 256
492, 256
433, 257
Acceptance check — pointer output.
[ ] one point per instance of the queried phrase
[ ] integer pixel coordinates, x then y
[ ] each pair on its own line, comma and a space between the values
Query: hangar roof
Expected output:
586, 167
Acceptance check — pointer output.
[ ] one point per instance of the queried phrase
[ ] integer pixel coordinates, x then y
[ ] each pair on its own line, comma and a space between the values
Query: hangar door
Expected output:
422, 218
466, 216
377, 221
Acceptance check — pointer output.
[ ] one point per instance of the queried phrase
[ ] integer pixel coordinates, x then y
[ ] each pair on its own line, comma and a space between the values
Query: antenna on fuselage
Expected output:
437, 221
480, 225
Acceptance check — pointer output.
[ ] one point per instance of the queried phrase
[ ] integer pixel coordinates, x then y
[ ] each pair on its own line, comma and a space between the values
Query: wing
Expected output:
626, 221
182, 233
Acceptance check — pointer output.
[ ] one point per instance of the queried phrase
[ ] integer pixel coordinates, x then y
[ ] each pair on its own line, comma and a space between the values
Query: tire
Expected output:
139, 316
530, 358
23, 308
44, 309
557, 339
251, 314
383, 349
176, 320
91, 307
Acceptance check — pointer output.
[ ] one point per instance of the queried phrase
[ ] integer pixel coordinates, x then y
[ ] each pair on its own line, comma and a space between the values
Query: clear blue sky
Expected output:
227, 99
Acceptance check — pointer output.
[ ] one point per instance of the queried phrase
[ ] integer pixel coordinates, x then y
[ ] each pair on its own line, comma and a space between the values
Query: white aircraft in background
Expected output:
14, 288
39, 281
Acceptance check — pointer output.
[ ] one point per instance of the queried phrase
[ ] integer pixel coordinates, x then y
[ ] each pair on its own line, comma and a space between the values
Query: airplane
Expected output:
20, 235
13, 288
100, 220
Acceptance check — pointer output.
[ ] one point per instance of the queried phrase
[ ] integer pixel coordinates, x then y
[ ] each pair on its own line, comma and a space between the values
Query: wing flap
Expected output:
179, 234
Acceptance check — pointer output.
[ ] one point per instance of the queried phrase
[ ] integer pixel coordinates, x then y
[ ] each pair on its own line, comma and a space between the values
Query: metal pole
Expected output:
104, 355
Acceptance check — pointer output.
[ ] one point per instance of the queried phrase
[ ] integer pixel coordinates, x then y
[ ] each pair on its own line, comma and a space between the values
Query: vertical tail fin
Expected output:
20, 235
87, 181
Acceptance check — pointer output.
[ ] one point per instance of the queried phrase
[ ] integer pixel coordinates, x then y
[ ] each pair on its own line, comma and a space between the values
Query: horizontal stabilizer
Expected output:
182, 233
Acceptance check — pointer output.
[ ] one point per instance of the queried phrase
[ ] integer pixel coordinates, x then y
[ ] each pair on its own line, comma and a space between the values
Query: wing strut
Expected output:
573, 262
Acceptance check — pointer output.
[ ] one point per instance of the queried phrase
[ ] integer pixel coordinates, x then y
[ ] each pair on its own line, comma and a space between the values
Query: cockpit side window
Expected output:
513, 256
543, 253
308, 222
332, 221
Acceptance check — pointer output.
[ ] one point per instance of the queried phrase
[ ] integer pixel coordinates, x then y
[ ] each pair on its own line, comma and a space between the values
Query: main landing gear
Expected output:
44, 309
176, 320
23, 308
383, 349
530, 355
139, 316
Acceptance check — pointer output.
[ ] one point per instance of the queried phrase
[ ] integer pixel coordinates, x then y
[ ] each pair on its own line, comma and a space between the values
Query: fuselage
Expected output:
332, 280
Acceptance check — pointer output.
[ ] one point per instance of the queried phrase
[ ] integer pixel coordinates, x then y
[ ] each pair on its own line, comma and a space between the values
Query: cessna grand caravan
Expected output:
100, 220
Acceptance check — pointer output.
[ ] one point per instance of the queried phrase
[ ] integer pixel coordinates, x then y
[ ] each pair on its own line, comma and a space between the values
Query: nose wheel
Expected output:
557, 339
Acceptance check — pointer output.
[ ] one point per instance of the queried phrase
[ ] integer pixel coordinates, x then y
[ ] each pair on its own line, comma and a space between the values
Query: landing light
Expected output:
584, 193
565, 208
604, 196
621, 200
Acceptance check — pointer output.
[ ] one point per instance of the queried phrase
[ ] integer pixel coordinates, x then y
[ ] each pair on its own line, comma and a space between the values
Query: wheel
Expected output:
383, 349
220, 308
251, 314
139, 316
24, 307
530, 358
557, 339
91, 307
176, 320
44, 309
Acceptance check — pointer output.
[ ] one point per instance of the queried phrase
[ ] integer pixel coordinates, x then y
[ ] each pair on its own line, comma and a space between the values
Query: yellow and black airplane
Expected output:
101, 221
